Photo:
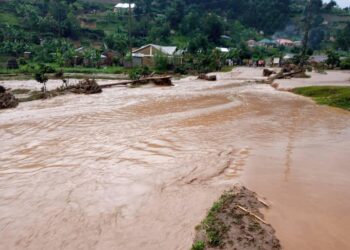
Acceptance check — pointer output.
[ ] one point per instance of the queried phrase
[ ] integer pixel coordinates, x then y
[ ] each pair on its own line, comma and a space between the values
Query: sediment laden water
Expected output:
138, 168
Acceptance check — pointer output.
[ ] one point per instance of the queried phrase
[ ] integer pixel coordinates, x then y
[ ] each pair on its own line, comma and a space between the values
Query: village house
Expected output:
124, 7
285, 42
318, 59
145, 55
298, 43
266, 43
223, 50
251, 43
288, 56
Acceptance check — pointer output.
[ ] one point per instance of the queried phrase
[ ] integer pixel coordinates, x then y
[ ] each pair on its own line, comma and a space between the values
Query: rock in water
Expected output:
8, 100
206, 77
87, 86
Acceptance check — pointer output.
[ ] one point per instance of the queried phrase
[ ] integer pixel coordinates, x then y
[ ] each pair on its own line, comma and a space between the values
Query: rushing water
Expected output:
138, 168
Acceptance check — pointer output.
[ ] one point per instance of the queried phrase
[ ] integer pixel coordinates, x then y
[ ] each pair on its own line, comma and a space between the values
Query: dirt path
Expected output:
139, 168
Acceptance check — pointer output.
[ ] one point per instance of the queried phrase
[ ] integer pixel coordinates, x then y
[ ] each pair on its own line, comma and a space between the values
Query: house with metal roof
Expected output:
285, 42
144, 56
222, 49
266, 43
124, 7
318, 59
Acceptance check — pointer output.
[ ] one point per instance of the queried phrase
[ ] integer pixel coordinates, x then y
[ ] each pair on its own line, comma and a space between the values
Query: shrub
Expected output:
161, 63
198, 245
180, 69
22, 61
345, 64
137, 73
41, 77
28, 69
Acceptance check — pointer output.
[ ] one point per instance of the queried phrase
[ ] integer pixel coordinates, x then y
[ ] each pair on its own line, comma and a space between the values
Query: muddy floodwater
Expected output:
139, 168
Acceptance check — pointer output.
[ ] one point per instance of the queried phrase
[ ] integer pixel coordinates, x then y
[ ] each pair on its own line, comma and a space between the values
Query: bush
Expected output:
59, 73
345, 64
137, 73
161, 63
180, 69
28, 69
199, 245
22, 61
48, 68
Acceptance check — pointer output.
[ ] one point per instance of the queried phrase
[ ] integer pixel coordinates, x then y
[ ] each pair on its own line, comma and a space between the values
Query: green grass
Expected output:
20, 91
327, 95
81, 70
103, 70
198, 245
213, 226
226, 68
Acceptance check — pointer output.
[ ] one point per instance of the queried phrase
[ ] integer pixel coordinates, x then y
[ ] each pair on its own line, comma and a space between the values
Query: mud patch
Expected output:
235, 222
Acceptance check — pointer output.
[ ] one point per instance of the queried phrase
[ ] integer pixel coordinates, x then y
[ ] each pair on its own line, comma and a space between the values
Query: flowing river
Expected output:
139, 168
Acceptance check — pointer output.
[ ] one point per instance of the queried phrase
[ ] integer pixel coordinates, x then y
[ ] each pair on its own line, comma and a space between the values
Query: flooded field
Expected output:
138, 168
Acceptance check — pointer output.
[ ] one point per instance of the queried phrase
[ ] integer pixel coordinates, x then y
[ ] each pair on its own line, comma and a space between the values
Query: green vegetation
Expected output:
345, 64
20, 91
77, 36
41, 77
32, 96
214, 227
326, 95
198, 245
235, 222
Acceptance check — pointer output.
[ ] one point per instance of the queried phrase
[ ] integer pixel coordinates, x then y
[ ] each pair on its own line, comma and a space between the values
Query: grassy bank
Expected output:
327, 95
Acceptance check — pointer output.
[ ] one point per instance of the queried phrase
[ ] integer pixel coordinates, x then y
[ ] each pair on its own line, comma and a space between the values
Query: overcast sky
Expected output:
341, 3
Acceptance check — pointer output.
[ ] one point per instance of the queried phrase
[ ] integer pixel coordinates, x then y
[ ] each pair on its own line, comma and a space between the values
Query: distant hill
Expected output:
196, 25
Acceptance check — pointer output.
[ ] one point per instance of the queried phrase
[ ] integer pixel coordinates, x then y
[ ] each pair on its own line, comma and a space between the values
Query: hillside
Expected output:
45, 27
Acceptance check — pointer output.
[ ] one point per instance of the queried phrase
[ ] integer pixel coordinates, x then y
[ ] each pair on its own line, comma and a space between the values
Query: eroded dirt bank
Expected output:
139, 168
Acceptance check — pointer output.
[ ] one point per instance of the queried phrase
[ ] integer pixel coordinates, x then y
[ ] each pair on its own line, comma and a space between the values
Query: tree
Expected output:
213, 28
41, 77
175, 13
333, 59
311, 19
330, 6
117, 42
316, 37
343, 38
264, 15
199, 43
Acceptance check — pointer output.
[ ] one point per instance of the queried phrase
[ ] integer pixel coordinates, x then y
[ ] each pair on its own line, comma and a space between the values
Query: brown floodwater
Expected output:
139, 168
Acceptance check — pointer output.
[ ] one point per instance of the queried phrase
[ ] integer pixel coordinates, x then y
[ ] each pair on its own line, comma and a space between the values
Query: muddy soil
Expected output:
235, 222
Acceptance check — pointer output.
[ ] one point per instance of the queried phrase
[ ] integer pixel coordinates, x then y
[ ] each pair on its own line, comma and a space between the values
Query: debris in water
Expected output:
207, 78
289, 71
7, 100
2, 89
87, 86
268, 72
235, 222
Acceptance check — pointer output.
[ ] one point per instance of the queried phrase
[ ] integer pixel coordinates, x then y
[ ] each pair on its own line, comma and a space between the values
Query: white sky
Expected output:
341, 3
